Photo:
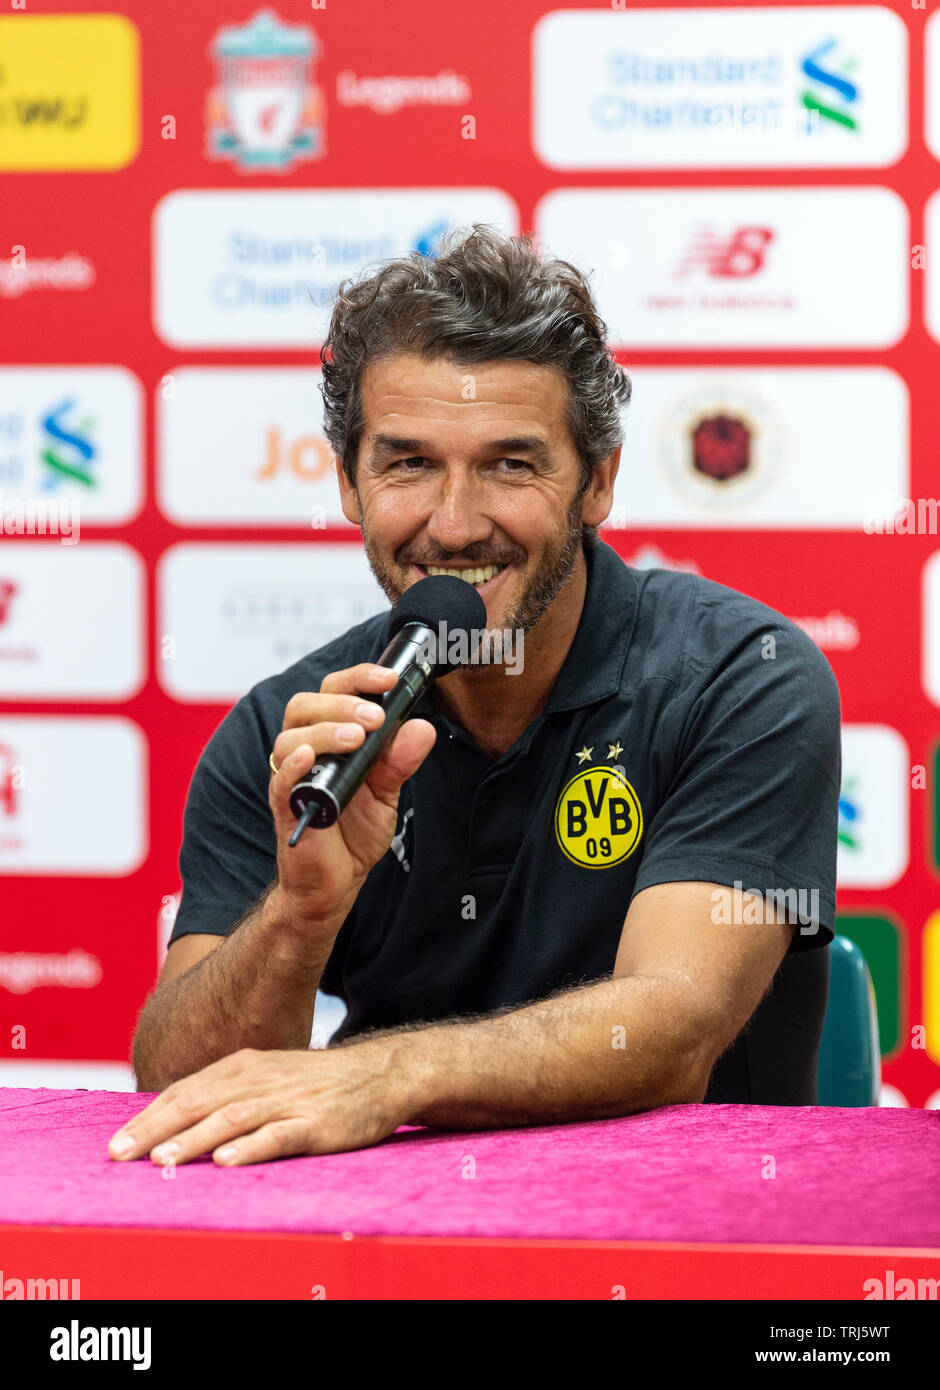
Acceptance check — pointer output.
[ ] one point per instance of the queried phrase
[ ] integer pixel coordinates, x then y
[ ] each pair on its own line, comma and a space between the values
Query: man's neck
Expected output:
496, 708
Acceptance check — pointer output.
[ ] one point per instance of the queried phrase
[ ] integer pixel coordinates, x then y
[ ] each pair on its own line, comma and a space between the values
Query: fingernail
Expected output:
381, 671
299, 754
370, 712
348, 733
226, 1155
120, 1144
165, 1151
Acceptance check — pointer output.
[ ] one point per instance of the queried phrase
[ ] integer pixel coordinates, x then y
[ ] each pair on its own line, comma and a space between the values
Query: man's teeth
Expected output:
477, 576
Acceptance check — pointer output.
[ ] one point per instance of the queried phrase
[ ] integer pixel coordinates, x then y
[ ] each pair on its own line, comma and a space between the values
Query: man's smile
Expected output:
484, 578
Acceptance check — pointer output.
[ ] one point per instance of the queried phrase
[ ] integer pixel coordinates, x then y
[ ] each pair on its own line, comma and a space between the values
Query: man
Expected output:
612, 872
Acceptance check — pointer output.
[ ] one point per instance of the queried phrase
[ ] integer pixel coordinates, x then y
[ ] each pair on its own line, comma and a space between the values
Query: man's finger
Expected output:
179, 1106
295, 766
279, 1139
304, 711
229, 1121
339, 736
365, 677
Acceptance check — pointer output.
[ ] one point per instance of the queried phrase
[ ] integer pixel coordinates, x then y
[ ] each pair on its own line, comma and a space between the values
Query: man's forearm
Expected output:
258, 989
603, 1050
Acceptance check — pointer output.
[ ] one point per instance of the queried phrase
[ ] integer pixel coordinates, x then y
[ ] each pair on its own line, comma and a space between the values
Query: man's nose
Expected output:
458, 519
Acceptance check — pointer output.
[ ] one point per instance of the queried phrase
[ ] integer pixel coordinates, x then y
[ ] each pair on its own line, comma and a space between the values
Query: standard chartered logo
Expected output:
598, 818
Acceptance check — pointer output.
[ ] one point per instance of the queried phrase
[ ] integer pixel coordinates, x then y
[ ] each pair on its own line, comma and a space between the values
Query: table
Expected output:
688, 1201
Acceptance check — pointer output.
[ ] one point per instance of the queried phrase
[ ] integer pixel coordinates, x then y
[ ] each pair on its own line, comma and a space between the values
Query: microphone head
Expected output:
442, 599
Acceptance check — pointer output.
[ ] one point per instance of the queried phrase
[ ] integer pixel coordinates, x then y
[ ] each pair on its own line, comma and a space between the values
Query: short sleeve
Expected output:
228, 856
753, 783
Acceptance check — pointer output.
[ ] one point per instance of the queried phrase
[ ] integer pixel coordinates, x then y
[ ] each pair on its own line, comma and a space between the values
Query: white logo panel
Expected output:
245, 446
261, 269
743, 267
873, 807
72, 435
762, 86
800, 447
73, 795
231, 615
931, 275
930, 665
71, 621
931, 81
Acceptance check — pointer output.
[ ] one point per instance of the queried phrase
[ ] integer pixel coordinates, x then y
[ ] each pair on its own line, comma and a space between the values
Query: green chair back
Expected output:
849, 1052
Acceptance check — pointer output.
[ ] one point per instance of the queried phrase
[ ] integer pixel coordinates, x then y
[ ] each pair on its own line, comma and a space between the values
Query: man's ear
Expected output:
599, 496
348, 496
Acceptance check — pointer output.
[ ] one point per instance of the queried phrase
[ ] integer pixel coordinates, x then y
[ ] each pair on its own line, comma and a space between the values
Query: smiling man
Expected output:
598, 884
508, 516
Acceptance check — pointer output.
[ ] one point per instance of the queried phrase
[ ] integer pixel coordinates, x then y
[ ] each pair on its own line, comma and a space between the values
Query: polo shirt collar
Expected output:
593, 669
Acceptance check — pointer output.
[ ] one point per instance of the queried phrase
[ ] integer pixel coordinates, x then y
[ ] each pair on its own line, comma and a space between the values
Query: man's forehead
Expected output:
407, 385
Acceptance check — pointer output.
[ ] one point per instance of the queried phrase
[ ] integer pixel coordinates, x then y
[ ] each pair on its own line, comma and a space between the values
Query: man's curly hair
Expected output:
485, 296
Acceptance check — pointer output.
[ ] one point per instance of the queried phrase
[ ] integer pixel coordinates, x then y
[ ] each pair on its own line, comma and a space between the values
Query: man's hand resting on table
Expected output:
253, 1106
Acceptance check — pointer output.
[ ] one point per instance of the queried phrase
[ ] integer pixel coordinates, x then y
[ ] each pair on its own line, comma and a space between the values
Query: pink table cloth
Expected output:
682, 1173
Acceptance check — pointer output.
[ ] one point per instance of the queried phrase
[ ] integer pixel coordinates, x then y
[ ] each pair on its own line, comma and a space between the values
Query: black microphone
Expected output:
419, 633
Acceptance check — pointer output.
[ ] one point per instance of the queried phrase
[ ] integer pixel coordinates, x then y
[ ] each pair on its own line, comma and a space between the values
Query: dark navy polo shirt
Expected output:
692, 734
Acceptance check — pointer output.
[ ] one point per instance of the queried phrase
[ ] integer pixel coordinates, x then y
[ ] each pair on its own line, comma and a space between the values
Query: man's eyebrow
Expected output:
532, 444
384, 445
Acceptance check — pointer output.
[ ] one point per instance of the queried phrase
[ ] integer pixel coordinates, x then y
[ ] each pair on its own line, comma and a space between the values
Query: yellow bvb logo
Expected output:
598, 818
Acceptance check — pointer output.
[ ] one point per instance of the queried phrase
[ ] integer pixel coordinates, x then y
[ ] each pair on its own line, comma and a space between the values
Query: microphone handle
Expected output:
335, 778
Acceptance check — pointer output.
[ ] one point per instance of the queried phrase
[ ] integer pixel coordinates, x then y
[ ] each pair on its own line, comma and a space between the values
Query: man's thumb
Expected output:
403, 756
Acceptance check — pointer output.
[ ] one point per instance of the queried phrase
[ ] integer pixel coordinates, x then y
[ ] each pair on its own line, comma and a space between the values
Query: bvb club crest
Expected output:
265, 111
598, 817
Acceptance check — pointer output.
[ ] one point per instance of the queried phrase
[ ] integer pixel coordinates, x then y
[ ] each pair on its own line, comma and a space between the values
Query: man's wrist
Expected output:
420, 1069
298, 940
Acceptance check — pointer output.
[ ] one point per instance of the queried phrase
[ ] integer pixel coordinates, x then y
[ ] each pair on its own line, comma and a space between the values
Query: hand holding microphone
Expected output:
347, 791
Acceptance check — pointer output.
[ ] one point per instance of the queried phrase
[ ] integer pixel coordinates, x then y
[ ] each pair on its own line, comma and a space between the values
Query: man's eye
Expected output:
412, 465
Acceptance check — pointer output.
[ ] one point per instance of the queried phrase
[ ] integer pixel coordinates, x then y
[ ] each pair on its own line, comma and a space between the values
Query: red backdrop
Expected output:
105, 216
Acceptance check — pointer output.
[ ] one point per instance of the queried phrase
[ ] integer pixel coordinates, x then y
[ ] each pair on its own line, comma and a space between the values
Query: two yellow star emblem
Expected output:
584, 753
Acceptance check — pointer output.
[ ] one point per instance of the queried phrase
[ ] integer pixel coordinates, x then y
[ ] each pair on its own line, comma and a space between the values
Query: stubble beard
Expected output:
553, 571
